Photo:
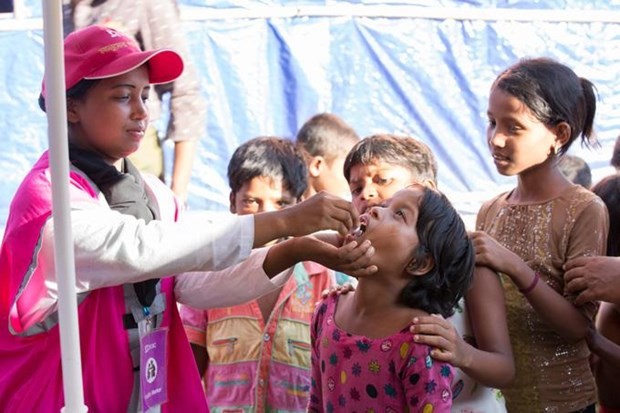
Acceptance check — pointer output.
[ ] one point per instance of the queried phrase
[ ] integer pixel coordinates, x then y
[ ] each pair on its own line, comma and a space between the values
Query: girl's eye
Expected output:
400, 213
124, 97
382, 181
356, 191
145, 98
283, 204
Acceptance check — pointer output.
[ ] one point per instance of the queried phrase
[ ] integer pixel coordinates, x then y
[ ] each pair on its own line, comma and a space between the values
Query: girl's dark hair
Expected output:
608, 189
77, 92
444, 240
270, 157
554, 94
404, 151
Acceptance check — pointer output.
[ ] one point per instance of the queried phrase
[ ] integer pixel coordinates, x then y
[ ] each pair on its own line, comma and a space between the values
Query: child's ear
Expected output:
231, 198
562, 134
315, 166
429, 183
420, 265
72, 114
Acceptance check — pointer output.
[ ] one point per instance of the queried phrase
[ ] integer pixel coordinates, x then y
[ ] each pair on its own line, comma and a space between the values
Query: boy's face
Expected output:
113, 116
373, 183
260, 194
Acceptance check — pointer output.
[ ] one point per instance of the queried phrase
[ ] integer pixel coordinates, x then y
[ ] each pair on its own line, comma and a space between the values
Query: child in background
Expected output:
256, 356
537, 109
324, 140
475, 339
576, 170
604, 341
363, 355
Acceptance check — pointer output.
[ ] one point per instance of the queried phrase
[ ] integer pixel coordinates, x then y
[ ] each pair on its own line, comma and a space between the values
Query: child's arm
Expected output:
604, 339
489, 360
319, 212
561, 315
606, 349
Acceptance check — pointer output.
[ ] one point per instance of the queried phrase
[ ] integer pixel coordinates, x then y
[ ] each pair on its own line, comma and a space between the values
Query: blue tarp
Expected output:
428, 78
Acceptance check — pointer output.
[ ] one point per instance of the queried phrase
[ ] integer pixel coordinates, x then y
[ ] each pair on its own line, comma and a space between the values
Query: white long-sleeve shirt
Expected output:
210, 258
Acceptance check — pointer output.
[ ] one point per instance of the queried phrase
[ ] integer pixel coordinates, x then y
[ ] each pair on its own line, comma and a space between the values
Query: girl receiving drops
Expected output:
363, 355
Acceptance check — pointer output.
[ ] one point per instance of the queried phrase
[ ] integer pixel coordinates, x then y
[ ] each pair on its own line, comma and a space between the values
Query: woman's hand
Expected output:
321, 211
353, 259
439, 333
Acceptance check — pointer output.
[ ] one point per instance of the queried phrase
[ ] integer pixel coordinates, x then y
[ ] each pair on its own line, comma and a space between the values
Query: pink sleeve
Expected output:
195, 324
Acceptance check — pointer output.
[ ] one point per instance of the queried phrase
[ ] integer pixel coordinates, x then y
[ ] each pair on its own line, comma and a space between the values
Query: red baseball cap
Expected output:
99, 52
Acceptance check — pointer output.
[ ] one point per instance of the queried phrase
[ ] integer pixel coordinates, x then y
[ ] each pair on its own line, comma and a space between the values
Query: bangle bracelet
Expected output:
530, 287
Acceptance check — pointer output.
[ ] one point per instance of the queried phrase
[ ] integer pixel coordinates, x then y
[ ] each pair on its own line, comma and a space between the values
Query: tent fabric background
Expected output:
424, 77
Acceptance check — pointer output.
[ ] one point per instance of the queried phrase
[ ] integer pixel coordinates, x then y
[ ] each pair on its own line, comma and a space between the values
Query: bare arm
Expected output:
489, 360
201, 357
606, 349
561, 315
604, 340
184, 152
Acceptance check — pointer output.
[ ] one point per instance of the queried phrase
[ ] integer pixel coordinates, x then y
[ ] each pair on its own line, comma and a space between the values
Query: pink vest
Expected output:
30, 365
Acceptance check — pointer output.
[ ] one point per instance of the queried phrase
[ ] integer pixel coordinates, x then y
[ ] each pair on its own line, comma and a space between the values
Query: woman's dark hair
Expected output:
554, 94
270, 157
443, 239
77, 92
608, 189
410, 153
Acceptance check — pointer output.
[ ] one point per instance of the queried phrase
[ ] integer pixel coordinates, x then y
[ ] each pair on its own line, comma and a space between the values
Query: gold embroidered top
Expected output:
552, 375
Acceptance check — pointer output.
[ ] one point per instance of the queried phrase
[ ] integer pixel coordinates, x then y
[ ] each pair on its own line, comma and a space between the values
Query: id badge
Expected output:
153, 364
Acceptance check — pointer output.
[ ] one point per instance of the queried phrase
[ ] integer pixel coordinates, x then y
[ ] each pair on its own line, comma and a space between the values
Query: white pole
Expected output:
55, 104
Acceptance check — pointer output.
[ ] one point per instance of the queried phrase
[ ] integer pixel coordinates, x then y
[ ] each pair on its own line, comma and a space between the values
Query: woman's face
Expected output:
517, 139
112, 118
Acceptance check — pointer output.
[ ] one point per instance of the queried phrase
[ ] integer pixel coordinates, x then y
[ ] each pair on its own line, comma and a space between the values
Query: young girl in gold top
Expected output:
537, 109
